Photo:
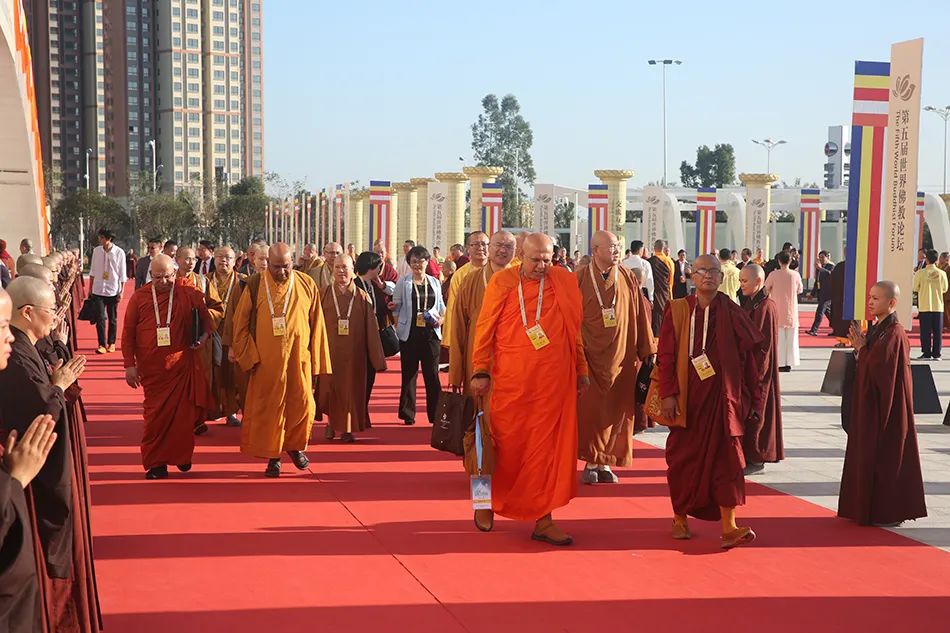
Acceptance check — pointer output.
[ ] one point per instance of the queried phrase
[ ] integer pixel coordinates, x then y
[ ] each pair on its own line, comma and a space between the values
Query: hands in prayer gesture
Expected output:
857, 337
65, 374
24, 459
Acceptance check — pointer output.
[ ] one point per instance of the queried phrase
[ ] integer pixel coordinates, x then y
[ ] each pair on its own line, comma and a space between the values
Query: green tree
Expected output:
563, 214
95, 211
160, 215
714, 167
240, 216
501, 137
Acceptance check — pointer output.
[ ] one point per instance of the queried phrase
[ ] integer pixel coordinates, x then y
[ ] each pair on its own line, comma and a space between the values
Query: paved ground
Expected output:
815, 443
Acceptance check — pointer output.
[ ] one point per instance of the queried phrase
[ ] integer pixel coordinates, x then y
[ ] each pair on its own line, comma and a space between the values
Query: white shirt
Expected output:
635, 261
107, 270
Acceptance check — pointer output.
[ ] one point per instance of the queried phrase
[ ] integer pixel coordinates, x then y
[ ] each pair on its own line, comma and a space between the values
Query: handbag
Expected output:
454, 414
90, 310
196, 329
654, 403
390, 341
482, 425
643, 381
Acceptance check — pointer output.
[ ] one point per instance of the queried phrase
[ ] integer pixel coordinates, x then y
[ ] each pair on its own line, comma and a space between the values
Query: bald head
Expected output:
162, 271
538, 253
476, 247
34, 306
606, 249
890, 289
883, 298
223, 261
6, 336
343, 270
29, 258
186, 259
751, 279
501, 248
38, 272
280, 261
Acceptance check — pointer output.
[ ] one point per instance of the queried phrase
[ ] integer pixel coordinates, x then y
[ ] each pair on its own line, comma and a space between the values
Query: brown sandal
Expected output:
542, 532
739, 536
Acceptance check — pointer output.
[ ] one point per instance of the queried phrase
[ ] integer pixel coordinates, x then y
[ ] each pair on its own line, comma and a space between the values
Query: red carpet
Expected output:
806, 316
378, 536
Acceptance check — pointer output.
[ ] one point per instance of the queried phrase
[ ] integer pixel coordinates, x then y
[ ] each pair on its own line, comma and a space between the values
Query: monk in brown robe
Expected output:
708, 367
617, 337
641, 421
662, 267
763, 440
322, 273
230, 383
23, 459
280, 339
30, 387
160, 354
355, 347
530, 321
882, 482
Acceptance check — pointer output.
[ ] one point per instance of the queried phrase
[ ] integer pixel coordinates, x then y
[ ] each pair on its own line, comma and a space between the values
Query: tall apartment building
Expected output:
121, 81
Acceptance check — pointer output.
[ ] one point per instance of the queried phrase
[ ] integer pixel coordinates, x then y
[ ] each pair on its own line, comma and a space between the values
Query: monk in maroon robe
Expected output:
882, 483
708, 367
762, 441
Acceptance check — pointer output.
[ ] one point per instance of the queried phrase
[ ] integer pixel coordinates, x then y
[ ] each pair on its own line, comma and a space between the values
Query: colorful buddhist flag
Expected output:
597, 210
919, 223
380, 203
868, 127
809, 235
492, 195
705, 220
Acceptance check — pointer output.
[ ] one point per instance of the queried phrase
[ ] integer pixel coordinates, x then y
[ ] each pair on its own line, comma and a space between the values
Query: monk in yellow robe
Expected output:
322, 273
186, 260
355, 346
530, 322
617, 337
519, 249
477, 250
280, 339
230, 382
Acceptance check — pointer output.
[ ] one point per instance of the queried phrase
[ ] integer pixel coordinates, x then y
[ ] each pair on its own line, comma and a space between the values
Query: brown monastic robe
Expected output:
206, 353
322, 275
230, 382
342, 394
763, 441
605, 414
882, 482
662, 289
19, 608
466, 306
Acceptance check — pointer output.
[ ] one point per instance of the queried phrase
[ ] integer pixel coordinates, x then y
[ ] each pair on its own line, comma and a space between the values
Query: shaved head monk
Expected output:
355, 348
230, 383
28, 258
708, 368
161, 356
322, 272
280, 339
530, 321
476, 247
882, 483
617, 338
762, 441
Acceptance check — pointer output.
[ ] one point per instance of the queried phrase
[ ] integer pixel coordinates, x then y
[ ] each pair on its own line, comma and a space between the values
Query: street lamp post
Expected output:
943, 113
663, 63
769, 145
88, 155
151, 144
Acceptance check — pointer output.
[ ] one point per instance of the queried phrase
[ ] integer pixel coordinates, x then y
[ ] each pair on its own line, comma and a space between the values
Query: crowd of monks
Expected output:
209, 335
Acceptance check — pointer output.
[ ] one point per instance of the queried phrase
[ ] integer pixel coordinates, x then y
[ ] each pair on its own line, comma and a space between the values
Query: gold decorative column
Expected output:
407, 227
455, 205
758, 209
356, 215
422, 210
616, 181
479, 176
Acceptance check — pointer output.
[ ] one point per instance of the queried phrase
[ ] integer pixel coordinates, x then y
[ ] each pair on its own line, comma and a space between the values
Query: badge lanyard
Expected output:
163, 333
537, 316
227, 295
692, 330
336, 304
600, 299
485, 275
422, 307
270, 301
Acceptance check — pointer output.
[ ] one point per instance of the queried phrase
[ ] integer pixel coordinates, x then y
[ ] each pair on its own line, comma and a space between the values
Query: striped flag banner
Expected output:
492, 194
324, 220
809, 232
919, 223
705, 220
380, 199
868, 127
338, 212
597, 206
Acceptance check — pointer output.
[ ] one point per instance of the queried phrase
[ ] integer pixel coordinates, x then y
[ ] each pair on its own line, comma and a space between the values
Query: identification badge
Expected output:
420, 319
164, 336
538, 338
343, 327
610, 317
105, 275
279, 325
704, 368
481, 492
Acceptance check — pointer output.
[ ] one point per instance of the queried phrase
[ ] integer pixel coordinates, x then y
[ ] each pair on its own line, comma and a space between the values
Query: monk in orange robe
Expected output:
230, 383
161, 355
708, 369
617, 336
280, 339
530, 321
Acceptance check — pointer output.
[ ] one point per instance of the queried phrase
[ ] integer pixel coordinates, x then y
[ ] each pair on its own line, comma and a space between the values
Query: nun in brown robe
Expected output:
762, 441
353, 335
882, 482
18, 586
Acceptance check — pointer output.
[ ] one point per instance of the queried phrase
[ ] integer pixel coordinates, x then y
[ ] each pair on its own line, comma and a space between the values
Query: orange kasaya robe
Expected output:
213, 302
175, 385
230, 381
606, 412
534, 410
279, 409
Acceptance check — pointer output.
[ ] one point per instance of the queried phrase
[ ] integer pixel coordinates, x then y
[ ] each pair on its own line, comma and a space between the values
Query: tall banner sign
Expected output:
868, 127
919, 222
900, 170
808, 235
492, 194
598, 211
380, 200
758, 203
437, 215
653, 201
705, 221
544, 209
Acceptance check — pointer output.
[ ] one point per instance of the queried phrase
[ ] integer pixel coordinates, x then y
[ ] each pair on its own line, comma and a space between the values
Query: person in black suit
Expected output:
822, 291
142, 276
681, 273
205, 252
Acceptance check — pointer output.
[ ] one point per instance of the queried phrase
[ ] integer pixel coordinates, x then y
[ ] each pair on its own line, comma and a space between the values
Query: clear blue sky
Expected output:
389, 89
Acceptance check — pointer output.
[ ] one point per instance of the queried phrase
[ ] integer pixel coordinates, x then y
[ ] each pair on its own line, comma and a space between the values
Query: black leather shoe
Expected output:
158, 472
201, 429
408, 422
347, 438
300, 459
273, 468
184, 467
233, 420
